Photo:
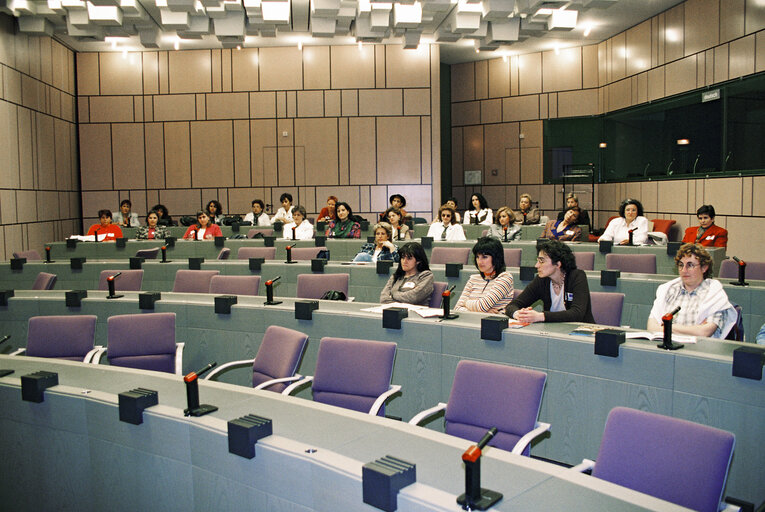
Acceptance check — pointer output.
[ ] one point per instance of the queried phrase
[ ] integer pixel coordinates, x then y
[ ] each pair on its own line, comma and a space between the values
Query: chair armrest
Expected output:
295, 385
220, 369
179, 358
539, 429
96, 350
18, 352
264, 385
392, 390
583, 466
422, 415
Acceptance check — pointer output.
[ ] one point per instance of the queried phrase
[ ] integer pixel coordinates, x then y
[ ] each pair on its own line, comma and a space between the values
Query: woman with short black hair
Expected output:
491, 289
630, 219
412, 282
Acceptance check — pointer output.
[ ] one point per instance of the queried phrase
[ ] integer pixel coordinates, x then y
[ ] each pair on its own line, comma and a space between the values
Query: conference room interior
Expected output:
83, 130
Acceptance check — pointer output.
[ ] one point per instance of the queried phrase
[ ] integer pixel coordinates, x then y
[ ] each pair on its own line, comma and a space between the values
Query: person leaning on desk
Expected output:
559, 284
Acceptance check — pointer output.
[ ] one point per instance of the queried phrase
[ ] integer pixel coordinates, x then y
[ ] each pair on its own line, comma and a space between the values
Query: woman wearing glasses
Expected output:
448, 229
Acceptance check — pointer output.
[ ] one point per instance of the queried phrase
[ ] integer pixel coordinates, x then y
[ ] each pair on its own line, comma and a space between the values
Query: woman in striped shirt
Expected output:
491, 290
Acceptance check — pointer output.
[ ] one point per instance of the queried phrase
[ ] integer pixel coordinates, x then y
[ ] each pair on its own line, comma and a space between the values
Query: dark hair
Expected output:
481, 201
301, 210
155, 212
158, 207
700, 253
628, 202
400, 197
108, 213
450, 209
204, 212
490, 247
284, 196
558, 252
218, 209
706, 209
576, 209
127, 202
261, 203
397, 212
347, 207
415, 250
452, 199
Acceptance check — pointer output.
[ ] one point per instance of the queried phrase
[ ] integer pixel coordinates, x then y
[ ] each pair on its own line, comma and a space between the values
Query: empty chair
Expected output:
29, 255
193, 281
607, 307
513, 257
149, 254
145, 341
672, 459
450, 255
276, 362
62, 337
224, 253
306, 253
353, 374
634, 263
129, 281
585, 260
44, 281
245, 253
486, 395
663, 225
262, 231
754, 270
313, 286
438, 290
235, 285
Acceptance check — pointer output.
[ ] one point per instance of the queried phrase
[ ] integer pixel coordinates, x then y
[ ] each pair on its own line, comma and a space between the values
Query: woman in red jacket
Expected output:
203, 229
708, 233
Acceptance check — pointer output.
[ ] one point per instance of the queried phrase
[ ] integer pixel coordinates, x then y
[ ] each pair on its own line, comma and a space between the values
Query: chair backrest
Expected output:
29, 255
669, 458
149, 254
607, 307
224, 253
663, 225
513, 257
486, 395
144, 340
263, 231
278, 356
634, 263
585, 260
450, 255
352, 373
129, 281
313, 286
245, 253
44, 281
754, 270
193, 281
235, 285
438, 289
62, 337
306, 253
737, 332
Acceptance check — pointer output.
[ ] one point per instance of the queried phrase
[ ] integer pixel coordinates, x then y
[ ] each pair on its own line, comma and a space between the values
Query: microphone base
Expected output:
166, 261
739, 283
487, 500
670, 346
272, 302
51, 261
290, 262
449, 317
200, 411
114, 296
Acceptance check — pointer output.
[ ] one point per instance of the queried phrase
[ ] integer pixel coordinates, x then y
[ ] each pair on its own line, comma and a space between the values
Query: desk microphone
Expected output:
289, 253
192, 393
95, 233
476, 498
445, 300
47, 255
630, 232
270, 292
164, 254
737, 260
671, 314
110, 284
741, 272
667, 344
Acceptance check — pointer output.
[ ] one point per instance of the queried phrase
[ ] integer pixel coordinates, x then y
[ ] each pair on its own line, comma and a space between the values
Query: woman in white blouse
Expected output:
300, 228
630, 219
481, 213
447, 229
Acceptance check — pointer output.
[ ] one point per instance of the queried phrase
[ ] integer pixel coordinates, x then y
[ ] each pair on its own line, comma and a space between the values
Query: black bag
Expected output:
323, 255
230, 219
188, 220
333, 295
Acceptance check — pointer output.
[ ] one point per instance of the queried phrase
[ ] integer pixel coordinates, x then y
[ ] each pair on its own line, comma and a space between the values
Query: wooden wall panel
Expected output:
398, 149
128, 162
407, 68
121, 74
351, 67
319, 138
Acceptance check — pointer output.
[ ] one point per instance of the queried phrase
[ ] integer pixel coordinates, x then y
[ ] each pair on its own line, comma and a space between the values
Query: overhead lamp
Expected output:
683, 142
603, 145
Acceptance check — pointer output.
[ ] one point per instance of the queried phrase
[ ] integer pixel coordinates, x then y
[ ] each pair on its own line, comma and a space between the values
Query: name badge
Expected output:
569, 296
408, 284
710, 237
569, 232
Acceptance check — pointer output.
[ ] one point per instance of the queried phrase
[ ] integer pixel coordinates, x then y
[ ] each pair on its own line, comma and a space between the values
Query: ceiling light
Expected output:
587, 30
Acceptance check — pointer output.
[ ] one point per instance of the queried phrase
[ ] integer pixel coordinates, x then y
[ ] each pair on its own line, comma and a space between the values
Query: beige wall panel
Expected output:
291, 104
701, 21
114, 109
87, 73
263, 105
674, 34
732, 20
121, 75
589, 66
8, 212
544, 106
496, 137
228, 105
417, 197
181, 202
319, 138
33, 44
316, 67
725, 194
466, 113
519, 108
755, 16
22, 52
9, 142
739, 229
499, 78
531, 165
96, 156
244, 70
426, 152
63, 158
162, 60
642, 88
240, 201
681, 75
352, 67
138, 109
514, 75
638, 48
148, 108
177, 156
563, 71
416, 102
701, 69
656, 83
7, 41
491, 111
513, 165
530, 70
350, 103
263, 136
457, 157
128, 156
216, 65
13, 239
242, 171
155, 155
281, 104
381, 102
67, 107
618, 56
343, 152
721, 63
46, 66
310, 104
746, 199
380, 77
226, 70
407, 68
189, 71
481, 79
473, 149
602, 63
32, 95
532, 134
174, 107
332, 104
578, 103
362, 154
398, 149
741, 57
12, 85
285, 132
201, 107
47, 207
758, 196
649, 198
286, 167
463, 82
760, 51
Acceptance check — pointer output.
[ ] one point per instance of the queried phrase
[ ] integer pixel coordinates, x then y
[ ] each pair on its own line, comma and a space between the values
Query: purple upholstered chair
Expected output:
441, 255
585, 260
62, 337
224, 253
754, 270
672, 459
276, 362
129, 281
29, 255
486, 395
438, 290
263, 231
149, 254
193, 281
144, 341
306, 253
235, 285
354, 374
634, 263
44, 281
313, 286
245, 253
513, 257
607, 307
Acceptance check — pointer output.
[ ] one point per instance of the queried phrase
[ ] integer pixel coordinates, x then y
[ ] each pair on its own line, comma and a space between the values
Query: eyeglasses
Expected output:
688, 266
446, 215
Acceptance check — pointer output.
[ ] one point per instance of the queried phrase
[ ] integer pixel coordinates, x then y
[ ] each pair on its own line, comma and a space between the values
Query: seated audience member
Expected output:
708, 233
345, 226
504, 229
565, 230
204, 229
560, 286
704, 306
284, 213
452, 201
328, 212
164, 217
480, 214
396, 201
257, 217
125, 218
491, 290
300, 228
630, 218
152, 230
105, 231
400, 230
381, 249
525, 214
447, 229
571, 201
214, 211
412, 282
